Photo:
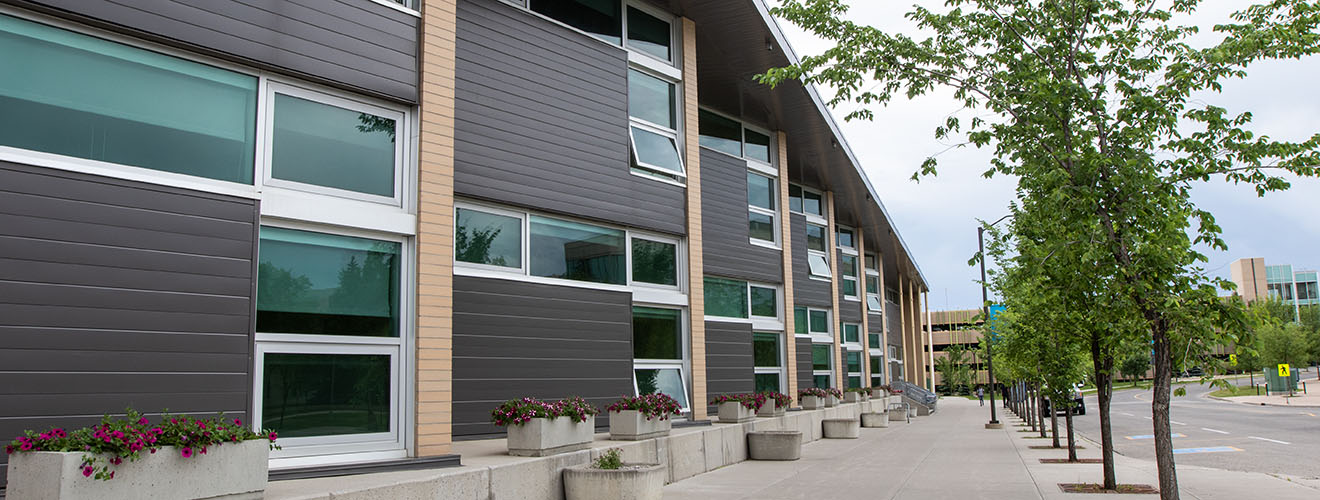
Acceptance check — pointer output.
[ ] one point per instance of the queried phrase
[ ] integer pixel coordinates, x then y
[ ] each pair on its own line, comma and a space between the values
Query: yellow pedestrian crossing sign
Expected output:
1284, 371
1232, 359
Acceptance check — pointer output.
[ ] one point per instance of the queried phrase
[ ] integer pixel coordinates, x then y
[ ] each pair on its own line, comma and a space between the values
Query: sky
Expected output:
937, 216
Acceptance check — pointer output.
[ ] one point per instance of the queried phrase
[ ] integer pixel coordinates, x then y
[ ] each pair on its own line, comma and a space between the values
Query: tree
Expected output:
954, 369
1284, 344
1135, 364
1094, 106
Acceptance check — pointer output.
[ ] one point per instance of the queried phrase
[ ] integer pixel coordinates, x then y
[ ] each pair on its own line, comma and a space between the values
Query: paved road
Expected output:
1266, 439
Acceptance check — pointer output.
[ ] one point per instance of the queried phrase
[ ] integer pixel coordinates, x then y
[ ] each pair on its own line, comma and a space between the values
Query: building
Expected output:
365, 223
962, 328
1255, 280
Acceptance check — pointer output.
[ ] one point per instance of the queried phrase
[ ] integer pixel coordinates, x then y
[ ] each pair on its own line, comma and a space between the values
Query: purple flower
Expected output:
87, 470
186, 452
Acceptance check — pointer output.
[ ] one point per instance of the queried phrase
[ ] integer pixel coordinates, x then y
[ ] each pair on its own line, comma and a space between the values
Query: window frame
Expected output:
844, 278
316, 449
680, 261
266, 134
821, 254
522, 239
683, 365
839, 230
637, 166
772, 213
752, 163
818, 219
780, 351
675, 37
861, 359
873, 272
832, 354
843, 337
758, 322
828, 334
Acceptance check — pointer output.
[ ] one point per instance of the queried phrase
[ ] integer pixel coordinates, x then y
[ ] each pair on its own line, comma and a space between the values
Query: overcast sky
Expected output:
937, 216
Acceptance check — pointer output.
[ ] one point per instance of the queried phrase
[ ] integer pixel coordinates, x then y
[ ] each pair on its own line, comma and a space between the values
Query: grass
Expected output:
1235, 391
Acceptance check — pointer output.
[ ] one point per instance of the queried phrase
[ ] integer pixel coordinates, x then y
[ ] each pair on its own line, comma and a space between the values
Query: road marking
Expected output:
1213, 430
1175, 422
1270, 440
1131, 415
1152, 436
1213, 449
1148, 418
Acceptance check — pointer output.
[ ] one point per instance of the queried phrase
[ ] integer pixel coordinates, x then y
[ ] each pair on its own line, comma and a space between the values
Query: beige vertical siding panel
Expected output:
696, 299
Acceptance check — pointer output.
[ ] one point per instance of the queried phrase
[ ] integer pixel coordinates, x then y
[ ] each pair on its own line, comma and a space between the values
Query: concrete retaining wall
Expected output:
490, 475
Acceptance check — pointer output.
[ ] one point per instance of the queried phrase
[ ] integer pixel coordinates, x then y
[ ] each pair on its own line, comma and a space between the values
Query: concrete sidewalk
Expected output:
950, 455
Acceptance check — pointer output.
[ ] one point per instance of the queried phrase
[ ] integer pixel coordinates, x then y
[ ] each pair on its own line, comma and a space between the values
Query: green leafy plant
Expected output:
781, 400
749, 401
521, 411
859, 390
115, 440
651, 406
611, 459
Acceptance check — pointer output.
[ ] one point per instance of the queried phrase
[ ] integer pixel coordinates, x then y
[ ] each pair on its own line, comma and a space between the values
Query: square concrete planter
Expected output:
878, 393
896, 414
734, 412
840, 428
632, 482
541, 437
631, 425
812, 403
875, 419
854, 397
774, 445
234, 470
771, 409
831, 401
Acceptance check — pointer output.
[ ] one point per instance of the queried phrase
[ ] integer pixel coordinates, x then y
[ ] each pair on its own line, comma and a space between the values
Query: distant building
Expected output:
956, 327
1255, 280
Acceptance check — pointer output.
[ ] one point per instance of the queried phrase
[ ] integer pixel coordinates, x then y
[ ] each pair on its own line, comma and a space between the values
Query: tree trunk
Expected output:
1104, 393
1072, 443
1030, 399
1040, 410
1159, 406
1054, 424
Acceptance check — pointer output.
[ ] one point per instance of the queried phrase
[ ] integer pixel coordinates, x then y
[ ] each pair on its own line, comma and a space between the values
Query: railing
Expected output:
917, 393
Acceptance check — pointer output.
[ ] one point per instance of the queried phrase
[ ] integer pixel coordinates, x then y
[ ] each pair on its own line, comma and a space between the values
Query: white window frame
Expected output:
766, 322
650, 171
855, 278
779, 355
773, 214
819, 254
638, 57
828, 334
840, 228
818, 219
522, 227
651, 293
861, 377
683, 365
351, 447
830, 372
393, 4
843, 335
873, 273
266, 133
876, 349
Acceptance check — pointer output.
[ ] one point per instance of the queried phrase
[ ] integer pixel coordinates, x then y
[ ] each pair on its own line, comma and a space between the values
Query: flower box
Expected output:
875, 419
878, 392
774, 445
227, 469
831, 401
629, 482
771, 409
632, 425
540, 437
854, 397
734, 412
812, 402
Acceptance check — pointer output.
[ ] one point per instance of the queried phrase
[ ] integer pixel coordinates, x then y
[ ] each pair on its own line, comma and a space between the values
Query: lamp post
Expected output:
985, 311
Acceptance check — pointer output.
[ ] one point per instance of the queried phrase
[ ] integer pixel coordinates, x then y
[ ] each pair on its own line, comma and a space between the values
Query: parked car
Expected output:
1079, 403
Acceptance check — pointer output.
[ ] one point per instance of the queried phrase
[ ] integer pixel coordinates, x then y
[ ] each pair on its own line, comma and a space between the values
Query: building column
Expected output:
840, 375
433, 422
692, 152
865, 333
884, 326
930, 340
786, 242
902, 330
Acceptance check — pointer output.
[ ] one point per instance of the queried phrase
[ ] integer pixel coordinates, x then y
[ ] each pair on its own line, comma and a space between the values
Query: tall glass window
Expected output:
324, 284
576, 251
877, 372
800, 319
719, 133
764, 301
756, 146
324, 145
75, 95
654, 130
651, 99
850, 333
761, 196
657, 333
822, 373
649, 34
848, 268
488, 238
767, 356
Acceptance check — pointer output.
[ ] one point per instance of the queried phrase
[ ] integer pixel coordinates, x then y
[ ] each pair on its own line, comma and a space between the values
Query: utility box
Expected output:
1276, 383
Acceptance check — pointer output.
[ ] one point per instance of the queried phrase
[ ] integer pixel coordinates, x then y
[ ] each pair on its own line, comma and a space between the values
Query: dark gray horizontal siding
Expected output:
895, 324
726, 241
850, 311
353, 43
728, 359
804, 370
117, 294
875, 323
514, 339
806, 291
541, 121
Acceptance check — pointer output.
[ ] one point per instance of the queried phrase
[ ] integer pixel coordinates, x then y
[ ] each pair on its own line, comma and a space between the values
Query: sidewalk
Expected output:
1300, 400
951, 455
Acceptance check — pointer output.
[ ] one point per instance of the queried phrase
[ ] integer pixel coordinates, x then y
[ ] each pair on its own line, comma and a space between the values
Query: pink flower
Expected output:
186, 452
87, 470
116, 460
142, 421
238, 422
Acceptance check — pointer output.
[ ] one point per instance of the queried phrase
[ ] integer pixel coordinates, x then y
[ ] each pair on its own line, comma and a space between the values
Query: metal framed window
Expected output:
768, 360
806, 201
852, 334
654, 130
822, 365
660, 347
853, 364
741, 301
762, 209
873, 302
848, 277
818, 262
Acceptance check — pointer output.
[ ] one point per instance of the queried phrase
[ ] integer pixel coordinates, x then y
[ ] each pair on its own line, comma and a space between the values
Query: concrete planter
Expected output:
631, 425
840, 428
734, 412
771, 409
541, 437
774, 445
875, 419
235, 470
854, 397
896, 414
831, 401
632, 482
879, 393
812, 403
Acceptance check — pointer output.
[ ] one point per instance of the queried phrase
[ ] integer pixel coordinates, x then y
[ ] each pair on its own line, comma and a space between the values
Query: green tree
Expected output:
1284, 344
1095, 107
1135, 364
954, 369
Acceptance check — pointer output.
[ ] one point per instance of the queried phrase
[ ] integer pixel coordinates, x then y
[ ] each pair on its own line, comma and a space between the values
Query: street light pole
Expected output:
985, 313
